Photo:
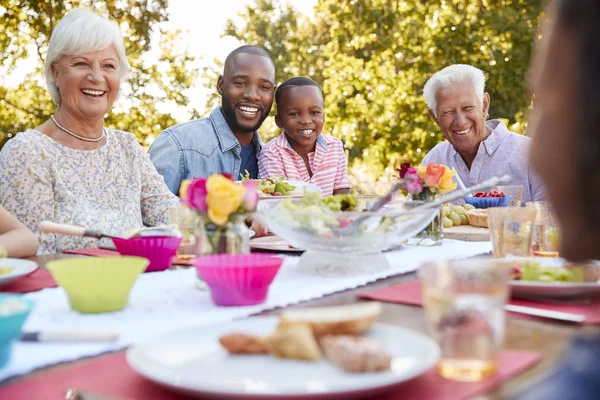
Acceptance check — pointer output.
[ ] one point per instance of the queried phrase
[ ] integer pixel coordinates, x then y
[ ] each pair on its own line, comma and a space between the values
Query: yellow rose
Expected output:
447, 184
224, 198
183, 188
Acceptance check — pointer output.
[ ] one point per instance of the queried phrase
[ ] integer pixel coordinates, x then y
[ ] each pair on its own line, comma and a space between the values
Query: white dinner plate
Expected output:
301, 188
20, 268
273, 243
521, 288
193, 362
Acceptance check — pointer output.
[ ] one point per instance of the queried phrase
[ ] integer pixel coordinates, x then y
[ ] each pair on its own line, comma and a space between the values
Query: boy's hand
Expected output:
259, 230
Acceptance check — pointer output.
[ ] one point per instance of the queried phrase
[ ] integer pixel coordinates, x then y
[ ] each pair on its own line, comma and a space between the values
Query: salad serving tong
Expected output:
456, 194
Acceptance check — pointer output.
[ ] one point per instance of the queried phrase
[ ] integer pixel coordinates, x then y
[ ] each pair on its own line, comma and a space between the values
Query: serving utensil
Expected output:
538, 312
353, 227
457, 194
74, 230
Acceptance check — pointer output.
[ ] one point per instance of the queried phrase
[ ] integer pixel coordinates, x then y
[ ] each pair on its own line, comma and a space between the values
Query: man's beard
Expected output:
231, 118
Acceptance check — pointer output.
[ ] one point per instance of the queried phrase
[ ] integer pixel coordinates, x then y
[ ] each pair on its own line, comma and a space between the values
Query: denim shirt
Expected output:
198, 148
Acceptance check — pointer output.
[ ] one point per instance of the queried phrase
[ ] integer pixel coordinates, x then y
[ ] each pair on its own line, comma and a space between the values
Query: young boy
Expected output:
301, 152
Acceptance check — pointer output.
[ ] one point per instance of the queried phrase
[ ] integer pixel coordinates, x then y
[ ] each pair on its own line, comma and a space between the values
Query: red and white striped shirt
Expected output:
327, 163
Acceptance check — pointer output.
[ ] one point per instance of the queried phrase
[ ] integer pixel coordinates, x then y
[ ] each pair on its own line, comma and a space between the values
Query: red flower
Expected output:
404, 167
227, 175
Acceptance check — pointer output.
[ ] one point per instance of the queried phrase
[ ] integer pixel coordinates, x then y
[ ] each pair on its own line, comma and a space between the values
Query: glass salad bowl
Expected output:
342, 243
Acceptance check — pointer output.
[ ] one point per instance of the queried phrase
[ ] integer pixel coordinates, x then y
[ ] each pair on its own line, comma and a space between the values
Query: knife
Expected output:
69, 336
538, 312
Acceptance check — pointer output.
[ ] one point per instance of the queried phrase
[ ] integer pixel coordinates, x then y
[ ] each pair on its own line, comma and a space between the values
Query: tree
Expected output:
25, 33
373, 57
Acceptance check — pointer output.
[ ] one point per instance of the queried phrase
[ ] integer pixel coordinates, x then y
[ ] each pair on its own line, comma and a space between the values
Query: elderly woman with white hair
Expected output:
476, 148
71, 169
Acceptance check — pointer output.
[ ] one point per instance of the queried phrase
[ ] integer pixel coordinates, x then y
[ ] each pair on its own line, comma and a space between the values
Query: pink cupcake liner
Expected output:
238, 279
158, 249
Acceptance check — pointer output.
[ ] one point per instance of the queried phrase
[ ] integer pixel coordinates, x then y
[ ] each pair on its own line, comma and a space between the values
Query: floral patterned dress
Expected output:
109, 189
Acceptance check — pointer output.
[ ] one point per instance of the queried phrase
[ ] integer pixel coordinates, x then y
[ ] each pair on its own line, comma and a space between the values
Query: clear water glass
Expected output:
463, 302
514, 191
511, 230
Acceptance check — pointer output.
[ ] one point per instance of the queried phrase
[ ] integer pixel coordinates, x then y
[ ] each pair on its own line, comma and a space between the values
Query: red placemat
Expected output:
37, 280
94, 251
410, 293
110, 375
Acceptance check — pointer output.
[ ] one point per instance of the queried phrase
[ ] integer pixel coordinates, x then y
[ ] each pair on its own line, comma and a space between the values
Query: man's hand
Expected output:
259, 230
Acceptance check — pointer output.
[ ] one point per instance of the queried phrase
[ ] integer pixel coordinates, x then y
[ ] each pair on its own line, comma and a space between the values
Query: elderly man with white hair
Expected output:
476, 148
71, 169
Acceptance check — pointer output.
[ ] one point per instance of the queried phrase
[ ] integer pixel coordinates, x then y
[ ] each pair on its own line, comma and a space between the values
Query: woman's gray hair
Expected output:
82, 31
450, 75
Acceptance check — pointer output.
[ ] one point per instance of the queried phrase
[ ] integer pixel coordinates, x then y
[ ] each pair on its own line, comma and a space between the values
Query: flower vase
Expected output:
433, 233
231, 238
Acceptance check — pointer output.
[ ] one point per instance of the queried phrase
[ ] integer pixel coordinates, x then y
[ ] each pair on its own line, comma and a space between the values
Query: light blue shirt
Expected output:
198, 148
503, 152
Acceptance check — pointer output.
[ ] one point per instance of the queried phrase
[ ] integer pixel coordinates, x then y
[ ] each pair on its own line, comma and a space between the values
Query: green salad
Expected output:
271, 186
315, 213
534, 271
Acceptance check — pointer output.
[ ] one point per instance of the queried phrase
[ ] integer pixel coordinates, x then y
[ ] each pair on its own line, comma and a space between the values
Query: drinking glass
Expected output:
516, 193
188, 222
463, 302
546, 237
511, 230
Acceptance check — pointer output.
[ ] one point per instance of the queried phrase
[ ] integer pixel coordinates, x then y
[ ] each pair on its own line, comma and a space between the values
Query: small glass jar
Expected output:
231, 238
433, 233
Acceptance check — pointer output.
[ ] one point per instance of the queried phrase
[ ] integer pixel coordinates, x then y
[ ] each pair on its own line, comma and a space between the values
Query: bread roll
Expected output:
353, 319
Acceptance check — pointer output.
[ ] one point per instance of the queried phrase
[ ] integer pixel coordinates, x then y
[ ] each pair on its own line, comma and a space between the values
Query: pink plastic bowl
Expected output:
238, 279
158, 249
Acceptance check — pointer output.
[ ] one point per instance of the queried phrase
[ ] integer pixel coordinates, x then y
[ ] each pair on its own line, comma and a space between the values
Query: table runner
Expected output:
165, 301
410, 293
110, 375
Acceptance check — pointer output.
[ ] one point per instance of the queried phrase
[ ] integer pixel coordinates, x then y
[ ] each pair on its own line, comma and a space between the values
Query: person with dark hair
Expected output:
227, 140
302, 152
565, 151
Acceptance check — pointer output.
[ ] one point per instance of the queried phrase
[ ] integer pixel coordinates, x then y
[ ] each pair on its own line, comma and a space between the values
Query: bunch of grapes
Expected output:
455, 215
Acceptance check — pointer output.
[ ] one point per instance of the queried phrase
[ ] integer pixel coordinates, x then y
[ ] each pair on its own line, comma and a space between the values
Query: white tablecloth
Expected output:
165, 301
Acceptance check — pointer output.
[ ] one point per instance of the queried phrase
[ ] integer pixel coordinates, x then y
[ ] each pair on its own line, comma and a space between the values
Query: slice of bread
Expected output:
294, 341
352, 319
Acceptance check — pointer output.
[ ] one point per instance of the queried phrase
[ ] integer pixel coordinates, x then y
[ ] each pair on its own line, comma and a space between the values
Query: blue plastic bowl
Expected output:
10, 325
488, 202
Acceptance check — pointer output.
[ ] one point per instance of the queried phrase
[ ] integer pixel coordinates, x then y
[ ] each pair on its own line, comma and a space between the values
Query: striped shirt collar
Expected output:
282, 141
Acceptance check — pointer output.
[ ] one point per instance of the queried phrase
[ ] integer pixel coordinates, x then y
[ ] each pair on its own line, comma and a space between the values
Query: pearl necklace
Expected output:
76, 135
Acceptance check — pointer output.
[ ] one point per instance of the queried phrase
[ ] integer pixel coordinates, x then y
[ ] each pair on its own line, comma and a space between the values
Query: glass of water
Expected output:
463, 302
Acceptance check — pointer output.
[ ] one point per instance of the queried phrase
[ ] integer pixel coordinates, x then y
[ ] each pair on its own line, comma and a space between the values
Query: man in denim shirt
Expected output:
227, 140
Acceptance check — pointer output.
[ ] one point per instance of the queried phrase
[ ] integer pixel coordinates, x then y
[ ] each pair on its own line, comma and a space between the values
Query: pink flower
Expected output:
251, 196
196, 195
413, 182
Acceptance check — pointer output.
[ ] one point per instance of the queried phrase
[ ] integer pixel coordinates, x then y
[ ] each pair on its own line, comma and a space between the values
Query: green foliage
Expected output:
373, 58
26, 30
